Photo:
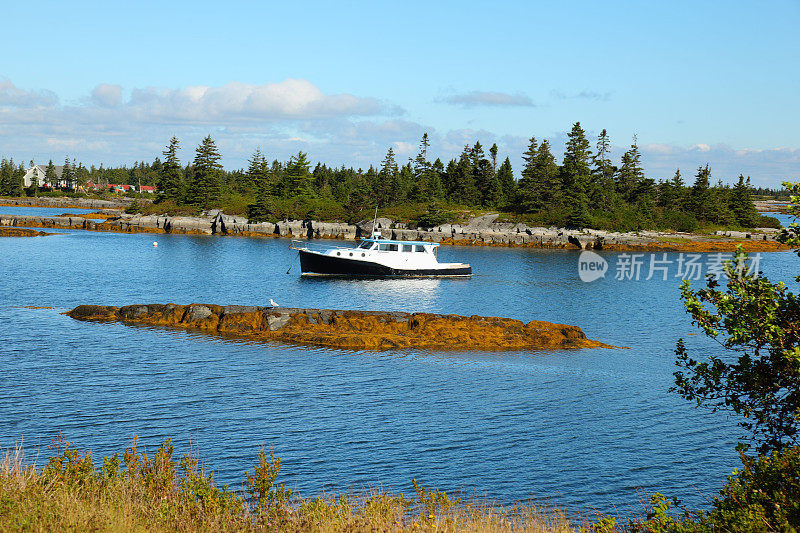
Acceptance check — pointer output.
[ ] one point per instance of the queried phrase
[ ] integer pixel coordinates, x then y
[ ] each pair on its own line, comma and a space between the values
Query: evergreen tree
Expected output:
5, 178
549, 176
259, 179
741, 204
34, 179
508, 185
529, 190
464, 189
204, 190
679, 192
700, 200
50, 177
435, 185
482, 176
401, 185
298, 175
603, 192
493, 152
256, 171
576, 176
630, 173
67, 174
386, 180
422, 173
170, 181
720, 200
421, 164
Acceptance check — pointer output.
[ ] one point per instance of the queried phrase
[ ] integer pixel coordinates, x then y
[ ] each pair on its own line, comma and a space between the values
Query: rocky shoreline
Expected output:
369, 330
480, 231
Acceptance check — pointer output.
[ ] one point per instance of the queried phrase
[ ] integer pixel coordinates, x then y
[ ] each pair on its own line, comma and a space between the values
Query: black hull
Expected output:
312, 263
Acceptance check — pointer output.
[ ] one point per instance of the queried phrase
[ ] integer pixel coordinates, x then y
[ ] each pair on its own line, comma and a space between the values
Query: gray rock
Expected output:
235, 309
277, 321
197, 312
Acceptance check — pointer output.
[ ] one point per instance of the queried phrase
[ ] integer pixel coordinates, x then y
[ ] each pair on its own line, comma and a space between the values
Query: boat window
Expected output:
366, 245
419, 248
408, 248
393, 247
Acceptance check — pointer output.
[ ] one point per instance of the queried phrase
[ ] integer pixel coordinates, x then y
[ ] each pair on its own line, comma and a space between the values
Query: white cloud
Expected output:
106, 95
13, 96
700, 147
244, 102
488, 99
581, 95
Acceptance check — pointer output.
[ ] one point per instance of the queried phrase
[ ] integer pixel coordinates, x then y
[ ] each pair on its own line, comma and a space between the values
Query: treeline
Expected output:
587, 189
11, 178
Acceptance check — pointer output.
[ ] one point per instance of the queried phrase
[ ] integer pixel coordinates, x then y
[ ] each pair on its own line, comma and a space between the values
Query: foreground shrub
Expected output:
763, 496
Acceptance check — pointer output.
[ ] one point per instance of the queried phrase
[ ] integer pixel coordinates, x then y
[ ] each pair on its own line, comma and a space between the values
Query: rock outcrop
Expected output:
22, 232
480, 231
372, 330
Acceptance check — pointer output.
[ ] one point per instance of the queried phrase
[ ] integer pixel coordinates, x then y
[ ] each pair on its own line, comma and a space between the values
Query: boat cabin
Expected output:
383, 245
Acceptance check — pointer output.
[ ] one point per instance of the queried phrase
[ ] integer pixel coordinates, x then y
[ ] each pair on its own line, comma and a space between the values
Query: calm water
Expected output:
585, 429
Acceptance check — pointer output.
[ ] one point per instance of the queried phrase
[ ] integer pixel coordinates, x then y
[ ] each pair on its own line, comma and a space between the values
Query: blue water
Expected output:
587, 429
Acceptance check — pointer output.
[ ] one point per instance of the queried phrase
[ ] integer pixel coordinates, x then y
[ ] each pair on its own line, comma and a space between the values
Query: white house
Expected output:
39, 172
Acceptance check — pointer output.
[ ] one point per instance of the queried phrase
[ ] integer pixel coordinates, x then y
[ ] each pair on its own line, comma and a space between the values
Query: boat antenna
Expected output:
375, 220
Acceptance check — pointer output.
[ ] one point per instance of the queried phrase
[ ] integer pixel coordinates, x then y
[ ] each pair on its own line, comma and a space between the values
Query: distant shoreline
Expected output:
479, 231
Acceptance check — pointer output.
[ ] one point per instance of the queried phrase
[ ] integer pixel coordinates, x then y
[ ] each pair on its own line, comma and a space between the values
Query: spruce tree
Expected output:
50, 177
170, 180
493, 152
298, 175
576, 176
386, 180
603, 194
465, 190
549, 176
482, 176
679, 192
258, 176
508, 185
419, 189
435, 185
529, 190
34, 179
67, 174
204, 190
630, 173
720, 200
5, 178
700, 200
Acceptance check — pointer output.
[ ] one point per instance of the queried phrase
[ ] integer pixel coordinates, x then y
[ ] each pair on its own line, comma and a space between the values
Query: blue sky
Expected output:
697, 82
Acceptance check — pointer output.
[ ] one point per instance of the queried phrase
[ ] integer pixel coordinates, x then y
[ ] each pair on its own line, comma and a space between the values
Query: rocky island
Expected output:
370, 330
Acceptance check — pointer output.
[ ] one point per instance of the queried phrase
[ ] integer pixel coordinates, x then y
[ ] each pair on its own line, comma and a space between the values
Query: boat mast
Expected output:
375, 223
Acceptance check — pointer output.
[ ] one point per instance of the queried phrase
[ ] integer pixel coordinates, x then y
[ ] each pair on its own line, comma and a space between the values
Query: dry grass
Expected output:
142, 493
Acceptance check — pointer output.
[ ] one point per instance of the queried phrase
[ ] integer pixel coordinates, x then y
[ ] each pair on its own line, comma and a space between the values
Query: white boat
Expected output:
378, 257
